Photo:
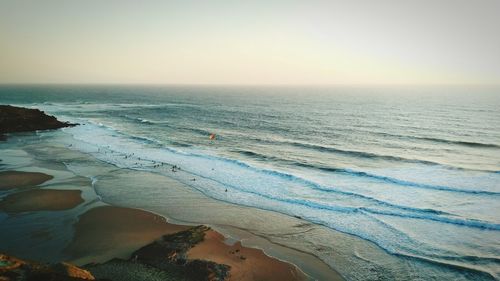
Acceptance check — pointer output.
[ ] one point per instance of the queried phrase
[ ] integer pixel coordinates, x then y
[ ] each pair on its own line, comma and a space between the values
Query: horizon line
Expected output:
242, 84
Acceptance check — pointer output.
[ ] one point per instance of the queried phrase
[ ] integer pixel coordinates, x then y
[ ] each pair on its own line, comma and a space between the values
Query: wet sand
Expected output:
17, 179
41, 200
246, 264
107, 232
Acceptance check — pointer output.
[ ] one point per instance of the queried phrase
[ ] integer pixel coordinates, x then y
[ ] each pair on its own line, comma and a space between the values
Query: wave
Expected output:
416, 213
400, 182
146, 121
368, 237
415, 184
355, 153
456, 142
281, 202
258, 156
335, 170
180, 144
350, 172
319, 187
386, 208
475, 259
361, 154
146, 140
364, 154
336, 209
142, 120
199, 131
438, 260
318, 206
372, 176
434, 139
423, 213
478, 273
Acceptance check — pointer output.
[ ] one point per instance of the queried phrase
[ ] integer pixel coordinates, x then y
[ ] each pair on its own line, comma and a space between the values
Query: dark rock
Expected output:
172, 249
206, 270
19, 119
174, 246
126, 270
167, 256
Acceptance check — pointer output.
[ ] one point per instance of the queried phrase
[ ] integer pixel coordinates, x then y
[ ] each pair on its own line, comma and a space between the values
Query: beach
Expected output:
108, 232
98, 237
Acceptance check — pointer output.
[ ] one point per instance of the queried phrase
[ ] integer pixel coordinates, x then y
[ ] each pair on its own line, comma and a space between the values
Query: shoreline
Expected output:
316, 268
26, 192
108, 223
103, 176
246, 262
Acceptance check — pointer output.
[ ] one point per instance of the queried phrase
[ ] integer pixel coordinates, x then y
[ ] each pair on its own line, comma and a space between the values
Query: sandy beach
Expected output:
107, 232
106, 237
117, 243
246, 263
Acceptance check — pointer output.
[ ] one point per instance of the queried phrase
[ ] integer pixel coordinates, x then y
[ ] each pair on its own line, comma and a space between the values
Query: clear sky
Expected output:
250, 42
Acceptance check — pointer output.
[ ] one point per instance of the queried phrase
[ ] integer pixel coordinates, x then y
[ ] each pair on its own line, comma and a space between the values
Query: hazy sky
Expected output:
250, 42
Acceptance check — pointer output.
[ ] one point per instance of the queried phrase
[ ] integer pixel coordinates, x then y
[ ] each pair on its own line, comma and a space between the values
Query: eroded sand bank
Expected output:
17, 179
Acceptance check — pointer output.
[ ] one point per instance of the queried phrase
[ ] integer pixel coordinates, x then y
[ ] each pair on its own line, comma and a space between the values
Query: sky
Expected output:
250, 42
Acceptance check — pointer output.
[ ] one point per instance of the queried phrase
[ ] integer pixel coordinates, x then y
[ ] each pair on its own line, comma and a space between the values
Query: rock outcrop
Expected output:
172, 250
15, 119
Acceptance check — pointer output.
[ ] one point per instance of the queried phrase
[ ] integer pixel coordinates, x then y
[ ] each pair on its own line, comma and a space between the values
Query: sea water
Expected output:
412, 170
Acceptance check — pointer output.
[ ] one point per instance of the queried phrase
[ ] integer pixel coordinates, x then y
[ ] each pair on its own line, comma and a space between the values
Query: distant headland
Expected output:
15, 119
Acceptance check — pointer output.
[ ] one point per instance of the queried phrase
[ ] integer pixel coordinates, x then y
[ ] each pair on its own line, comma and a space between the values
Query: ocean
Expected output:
411, 171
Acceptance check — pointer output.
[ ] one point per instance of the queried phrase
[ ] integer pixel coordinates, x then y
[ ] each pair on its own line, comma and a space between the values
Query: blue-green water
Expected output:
414, 170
